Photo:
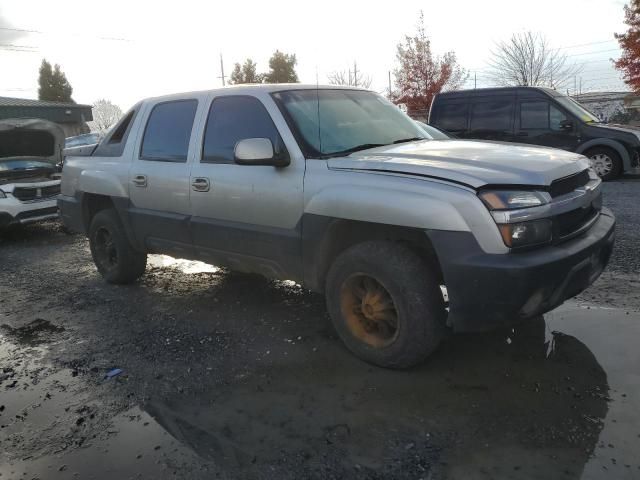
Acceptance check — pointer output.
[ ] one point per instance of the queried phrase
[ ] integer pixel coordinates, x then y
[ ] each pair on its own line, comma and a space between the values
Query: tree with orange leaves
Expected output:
629, 62
421, 75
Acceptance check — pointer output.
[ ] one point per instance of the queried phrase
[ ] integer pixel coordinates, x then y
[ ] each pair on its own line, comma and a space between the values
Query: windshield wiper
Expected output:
412, 139
357, 148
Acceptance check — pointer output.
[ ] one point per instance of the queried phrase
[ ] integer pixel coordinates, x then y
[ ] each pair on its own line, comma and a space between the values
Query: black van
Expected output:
538, 116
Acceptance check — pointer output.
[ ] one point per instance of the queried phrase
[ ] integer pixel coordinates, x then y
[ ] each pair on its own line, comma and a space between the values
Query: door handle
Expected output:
140, 180
200, 184
522, 134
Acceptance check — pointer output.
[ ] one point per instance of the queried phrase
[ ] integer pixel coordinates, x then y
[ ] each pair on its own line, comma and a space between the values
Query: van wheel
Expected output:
386, 304
116, 259
606, 162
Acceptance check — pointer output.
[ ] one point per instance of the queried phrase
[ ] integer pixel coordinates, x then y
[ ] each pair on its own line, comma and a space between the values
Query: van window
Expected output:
452, 116
166, 136
556, 118
540, 116
495, 115
534, 115
235, 118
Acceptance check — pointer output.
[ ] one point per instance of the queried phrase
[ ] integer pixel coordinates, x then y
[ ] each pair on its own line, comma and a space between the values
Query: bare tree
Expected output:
528, 60
105, 115
354, 78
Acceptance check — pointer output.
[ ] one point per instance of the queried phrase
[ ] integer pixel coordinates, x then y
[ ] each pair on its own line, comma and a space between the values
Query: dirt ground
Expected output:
232, 376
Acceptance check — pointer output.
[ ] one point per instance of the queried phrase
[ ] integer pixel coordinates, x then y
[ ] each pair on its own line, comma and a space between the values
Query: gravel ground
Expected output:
234, 376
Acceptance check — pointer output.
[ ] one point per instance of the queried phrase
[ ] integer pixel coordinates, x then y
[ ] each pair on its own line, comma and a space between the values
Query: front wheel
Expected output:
606, 162
386, 304
114, 256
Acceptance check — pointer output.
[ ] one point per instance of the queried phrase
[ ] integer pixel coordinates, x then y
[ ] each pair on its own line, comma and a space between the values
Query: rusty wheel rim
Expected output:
369, 310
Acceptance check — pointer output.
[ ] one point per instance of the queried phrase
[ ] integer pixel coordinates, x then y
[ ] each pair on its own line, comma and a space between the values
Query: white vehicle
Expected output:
30, 162
339, 190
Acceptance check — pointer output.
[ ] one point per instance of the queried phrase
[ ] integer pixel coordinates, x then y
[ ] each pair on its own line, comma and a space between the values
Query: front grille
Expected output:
27, 194
565, 185
568, 224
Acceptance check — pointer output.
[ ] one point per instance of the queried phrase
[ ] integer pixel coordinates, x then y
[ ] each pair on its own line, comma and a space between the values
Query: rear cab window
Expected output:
113, 144
168, 131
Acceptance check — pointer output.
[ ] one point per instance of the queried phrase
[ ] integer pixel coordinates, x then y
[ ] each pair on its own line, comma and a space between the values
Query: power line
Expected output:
40, 32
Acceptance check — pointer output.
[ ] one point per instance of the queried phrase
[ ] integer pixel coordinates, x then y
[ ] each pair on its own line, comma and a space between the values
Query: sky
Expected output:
124, 51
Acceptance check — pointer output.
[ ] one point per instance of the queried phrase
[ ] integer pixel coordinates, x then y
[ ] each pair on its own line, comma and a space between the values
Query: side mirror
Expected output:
258, 151
566, 125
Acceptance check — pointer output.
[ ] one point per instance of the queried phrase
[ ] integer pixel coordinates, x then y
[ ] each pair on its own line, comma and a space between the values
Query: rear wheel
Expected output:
386, 304
606, 162
116, 259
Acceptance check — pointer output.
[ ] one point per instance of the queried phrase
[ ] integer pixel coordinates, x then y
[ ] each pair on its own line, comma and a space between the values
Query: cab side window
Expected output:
235, 118
168, 131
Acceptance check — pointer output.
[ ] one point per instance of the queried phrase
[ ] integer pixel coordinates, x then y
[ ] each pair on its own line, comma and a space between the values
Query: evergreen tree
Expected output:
245, 73
282, 68
53, 84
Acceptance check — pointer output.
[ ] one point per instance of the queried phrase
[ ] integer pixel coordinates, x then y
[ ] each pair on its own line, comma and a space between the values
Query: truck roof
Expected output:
253, 88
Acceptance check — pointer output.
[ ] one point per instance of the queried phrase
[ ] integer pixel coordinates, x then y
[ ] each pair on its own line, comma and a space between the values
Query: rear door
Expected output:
541, 122
159, 176
247, 217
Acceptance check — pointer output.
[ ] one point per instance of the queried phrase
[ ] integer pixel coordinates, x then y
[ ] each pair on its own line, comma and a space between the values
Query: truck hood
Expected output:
468, 162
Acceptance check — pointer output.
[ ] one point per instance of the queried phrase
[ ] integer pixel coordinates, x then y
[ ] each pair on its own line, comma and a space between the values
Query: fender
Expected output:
607, 142
101, 183
387, 206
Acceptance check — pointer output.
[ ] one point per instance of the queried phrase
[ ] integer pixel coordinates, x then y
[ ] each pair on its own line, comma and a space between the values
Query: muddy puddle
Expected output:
554, 398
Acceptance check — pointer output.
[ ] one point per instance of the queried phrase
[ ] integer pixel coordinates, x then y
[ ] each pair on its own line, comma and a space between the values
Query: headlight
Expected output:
512, 199
526, 234
515, 231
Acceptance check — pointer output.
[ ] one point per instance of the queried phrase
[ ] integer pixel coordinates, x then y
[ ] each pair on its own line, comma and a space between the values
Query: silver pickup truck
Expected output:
337, 189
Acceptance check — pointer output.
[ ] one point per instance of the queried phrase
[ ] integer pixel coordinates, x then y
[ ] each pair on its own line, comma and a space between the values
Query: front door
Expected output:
159, 177
247, 217
542, 123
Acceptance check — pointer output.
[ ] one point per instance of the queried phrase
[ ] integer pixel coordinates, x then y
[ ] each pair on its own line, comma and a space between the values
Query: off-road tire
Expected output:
616, 168
412, 285
124, 264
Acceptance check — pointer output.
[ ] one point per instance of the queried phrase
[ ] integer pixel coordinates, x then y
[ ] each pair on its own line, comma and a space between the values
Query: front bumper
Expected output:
487, 291
13, 212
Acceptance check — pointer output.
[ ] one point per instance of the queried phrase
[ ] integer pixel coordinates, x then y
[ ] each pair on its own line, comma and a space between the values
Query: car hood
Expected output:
30, 138
468, 162
619, 128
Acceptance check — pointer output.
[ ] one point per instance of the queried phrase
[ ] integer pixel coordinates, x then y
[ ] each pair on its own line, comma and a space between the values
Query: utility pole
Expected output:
222, 75
475, 80
389, 83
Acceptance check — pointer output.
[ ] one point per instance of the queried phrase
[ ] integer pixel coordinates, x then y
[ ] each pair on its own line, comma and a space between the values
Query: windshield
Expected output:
577, 109
334, 122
